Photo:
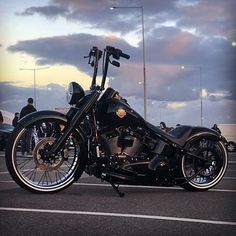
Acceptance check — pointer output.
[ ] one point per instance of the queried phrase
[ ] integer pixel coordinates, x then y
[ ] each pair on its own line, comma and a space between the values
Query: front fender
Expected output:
39, 115
48, 116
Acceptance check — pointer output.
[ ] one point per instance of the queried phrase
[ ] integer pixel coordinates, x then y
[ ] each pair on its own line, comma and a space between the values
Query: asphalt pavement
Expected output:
91, 207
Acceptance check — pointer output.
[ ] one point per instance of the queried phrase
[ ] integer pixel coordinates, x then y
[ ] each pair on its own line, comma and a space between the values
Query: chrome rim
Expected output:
197, 172
36, 169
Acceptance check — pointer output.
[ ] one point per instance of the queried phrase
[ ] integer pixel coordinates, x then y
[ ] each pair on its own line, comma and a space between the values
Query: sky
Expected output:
53, 36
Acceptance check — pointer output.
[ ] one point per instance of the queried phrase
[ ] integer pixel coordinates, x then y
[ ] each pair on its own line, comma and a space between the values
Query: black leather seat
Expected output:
179, 135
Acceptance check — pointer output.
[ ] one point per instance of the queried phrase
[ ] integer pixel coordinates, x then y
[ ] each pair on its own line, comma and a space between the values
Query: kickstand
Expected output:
116, 188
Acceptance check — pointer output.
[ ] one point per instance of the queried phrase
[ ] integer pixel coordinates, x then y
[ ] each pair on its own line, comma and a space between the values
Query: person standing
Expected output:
29, 108
15, 120
27, 137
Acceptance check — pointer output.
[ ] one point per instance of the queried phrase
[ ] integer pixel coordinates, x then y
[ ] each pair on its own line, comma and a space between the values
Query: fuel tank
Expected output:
117, 112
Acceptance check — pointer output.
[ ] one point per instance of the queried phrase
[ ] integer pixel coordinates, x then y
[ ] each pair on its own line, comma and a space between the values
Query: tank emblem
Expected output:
121, 112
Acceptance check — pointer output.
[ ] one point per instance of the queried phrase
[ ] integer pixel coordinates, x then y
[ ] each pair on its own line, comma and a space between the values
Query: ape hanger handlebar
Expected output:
94, 56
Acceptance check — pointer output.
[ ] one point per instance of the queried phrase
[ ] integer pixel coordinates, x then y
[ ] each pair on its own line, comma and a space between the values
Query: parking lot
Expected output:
91, 207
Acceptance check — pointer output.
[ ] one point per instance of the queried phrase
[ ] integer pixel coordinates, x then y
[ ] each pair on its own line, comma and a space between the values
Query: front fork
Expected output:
76, 120
93, 164
92, 140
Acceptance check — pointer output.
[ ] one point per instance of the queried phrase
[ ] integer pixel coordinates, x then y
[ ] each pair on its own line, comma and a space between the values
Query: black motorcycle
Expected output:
104, 137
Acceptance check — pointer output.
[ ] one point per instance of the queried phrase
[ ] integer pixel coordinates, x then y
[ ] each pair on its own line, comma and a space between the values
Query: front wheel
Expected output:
203, 174
30, 166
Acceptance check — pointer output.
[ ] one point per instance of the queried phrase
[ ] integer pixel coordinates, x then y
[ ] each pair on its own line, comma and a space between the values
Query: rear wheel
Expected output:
203, 174
31, 167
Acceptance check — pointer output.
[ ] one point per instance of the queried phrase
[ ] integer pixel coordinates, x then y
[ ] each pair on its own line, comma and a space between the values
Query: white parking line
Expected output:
4, 172
229, 177
137, 186
151, 187
110, 214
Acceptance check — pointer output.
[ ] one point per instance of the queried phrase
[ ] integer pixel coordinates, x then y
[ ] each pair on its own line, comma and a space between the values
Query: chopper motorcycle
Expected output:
104, 137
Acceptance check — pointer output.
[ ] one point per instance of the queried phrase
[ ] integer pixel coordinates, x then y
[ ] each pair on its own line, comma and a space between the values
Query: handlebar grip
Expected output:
116, 53
121, 54
126, 56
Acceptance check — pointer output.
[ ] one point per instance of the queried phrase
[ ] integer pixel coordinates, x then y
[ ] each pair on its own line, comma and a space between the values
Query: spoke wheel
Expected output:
202, 174
36, 171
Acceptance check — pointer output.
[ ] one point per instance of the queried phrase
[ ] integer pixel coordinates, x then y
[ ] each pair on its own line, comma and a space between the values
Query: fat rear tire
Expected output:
212, 150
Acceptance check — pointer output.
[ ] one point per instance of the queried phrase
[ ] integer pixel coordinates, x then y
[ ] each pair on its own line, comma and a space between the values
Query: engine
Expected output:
121, 142
125, 147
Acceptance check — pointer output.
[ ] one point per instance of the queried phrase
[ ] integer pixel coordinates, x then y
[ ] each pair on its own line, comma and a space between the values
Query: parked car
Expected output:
5, 132
231, 145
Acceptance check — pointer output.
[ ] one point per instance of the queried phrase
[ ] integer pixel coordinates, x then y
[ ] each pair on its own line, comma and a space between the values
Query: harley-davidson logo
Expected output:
121, 112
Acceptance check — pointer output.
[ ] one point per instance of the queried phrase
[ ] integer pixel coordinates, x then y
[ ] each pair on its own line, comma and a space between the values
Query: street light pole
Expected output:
144, 72
200, 88
34, 70
144, 62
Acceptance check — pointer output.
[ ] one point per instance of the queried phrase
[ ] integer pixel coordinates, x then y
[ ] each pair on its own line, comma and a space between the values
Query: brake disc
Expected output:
49, 163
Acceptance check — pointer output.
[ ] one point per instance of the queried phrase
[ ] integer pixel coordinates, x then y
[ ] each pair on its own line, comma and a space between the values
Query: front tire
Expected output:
197, 175
35, 171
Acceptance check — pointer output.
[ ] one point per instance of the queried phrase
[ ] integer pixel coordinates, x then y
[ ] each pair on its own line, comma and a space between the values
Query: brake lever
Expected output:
115, 63
89, 56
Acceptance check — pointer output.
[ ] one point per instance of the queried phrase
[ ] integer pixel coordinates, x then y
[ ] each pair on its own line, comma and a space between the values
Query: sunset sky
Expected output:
55, 35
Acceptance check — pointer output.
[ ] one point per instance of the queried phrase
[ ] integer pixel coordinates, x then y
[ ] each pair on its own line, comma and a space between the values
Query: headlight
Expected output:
74, 93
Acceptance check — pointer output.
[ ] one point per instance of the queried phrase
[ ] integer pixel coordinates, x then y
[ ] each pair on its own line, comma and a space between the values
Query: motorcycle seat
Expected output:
179, 135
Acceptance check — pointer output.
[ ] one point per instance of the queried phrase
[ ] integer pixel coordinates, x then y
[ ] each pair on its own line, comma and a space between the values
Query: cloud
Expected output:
218, 21
178, 47
18, 96
50, 11
69, 49
165, 82
176, 105
165, 79
194, 38
176, 33
89, 12
192, 14
221, 111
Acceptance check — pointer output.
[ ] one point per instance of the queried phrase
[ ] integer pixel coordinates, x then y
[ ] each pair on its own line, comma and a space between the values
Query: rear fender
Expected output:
198, 132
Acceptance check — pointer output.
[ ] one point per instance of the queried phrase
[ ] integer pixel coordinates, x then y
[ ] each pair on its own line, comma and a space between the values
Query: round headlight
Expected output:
74, 93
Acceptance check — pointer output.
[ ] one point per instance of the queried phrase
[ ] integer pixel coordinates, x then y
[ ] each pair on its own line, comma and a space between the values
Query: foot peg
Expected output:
157, 162
154, 163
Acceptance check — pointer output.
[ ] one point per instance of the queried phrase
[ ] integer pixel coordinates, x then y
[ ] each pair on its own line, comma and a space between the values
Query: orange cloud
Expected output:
111, 37
179, 44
